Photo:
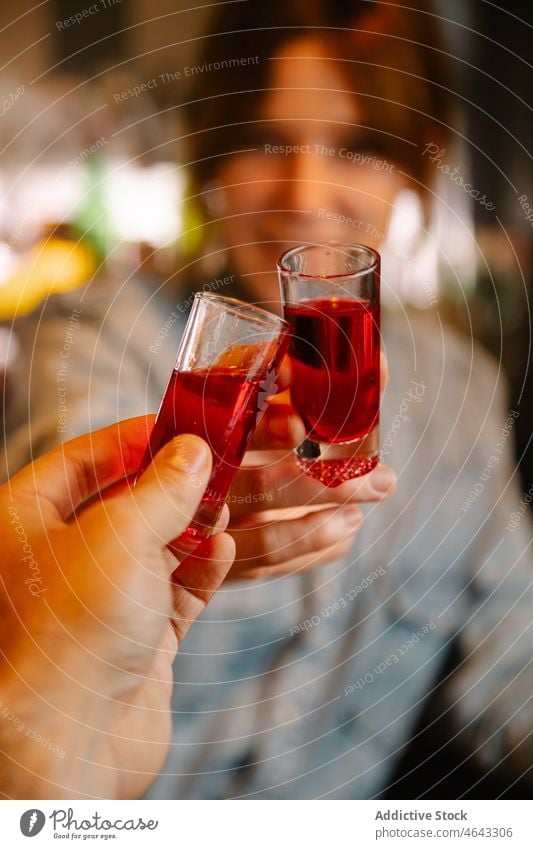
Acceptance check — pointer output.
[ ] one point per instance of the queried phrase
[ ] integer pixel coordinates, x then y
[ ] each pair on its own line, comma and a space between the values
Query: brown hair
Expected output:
390, 55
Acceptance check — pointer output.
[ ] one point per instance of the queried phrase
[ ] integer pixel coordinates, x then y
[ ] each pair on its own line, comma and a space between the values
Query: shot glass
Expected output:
225, 369
330, 294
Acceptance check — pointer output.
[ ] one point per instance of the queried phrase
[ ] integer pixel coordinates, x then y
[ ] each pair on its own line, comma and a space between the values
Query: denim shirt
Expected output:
309, 686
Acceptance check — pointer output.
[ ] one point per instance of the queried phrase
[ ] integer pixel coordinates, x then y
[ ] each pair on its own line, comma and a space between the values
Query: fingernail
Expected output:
189, 452
382, 479
351, 516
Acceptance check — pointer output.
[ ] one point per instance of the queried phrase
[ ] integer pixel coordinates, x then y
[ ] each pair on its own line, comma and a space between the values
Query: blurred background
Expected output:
93, 175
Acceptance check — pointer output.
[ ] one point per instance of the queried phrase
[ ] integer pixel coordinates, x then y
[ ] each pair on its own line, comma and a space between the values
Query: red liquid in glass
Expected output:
334, 350
221, 406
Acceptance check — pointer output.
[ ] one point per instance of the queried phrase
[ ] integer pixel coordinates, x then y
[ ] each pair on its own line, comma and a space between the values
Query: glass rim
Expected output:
332, 244
249, 312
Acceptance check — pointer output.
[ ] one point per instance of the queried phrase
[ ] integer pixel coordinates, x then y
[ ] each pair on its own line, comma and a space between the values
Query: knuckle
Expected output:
285, 540
319, 536
271, 547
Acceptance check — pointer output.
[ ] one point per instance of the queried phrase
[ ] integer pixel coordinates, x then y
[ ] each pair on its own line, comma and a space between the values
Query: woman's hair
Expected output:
390, 56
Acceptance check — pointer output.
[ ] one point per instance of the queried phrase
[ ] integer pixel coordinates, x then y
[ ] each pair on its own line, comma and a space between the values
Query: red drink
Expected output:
335, 351
225, 368
331, 301
220, 405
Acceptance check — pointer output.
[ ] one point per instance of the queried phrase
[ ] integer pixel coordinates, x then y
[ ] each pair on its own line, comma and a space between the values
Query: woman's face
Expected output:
316, 173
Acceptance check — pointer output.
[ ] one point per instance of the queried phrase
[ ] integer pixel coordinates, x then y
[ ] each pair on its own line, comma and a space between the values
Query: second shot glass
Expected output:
330, 294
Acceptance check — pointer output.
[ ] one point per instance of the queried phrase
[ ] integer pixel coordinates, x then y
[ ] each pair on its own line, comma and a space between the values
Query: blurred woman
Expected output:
313, 121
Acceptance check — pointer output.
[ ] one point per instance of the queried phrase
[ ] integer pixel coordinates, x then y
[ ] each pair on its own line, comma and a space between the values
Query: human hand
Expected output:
91, 618
283, 521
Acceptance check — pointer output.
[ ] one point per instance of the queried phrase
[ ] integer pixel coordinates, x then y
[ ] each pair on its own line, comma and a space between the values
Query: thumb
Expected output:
168, 493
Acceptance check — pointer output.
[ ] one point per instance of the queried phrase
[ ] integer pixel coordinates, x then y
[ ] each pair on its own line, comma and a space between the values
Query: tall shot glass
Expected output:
225, 369
330, 294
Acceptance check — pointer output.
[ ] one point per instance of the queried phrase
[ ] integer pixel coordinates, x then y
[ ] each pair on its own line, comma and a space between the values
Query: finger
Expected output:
272, 543
280, 427
243, 571
168, 493
182, 547
282, 484
198, 578
223, 521
72, 472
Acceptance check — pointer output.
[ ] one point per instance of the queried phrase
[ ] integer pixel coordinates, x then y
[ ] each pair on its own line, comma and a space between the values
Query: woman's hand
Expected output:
283, 521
